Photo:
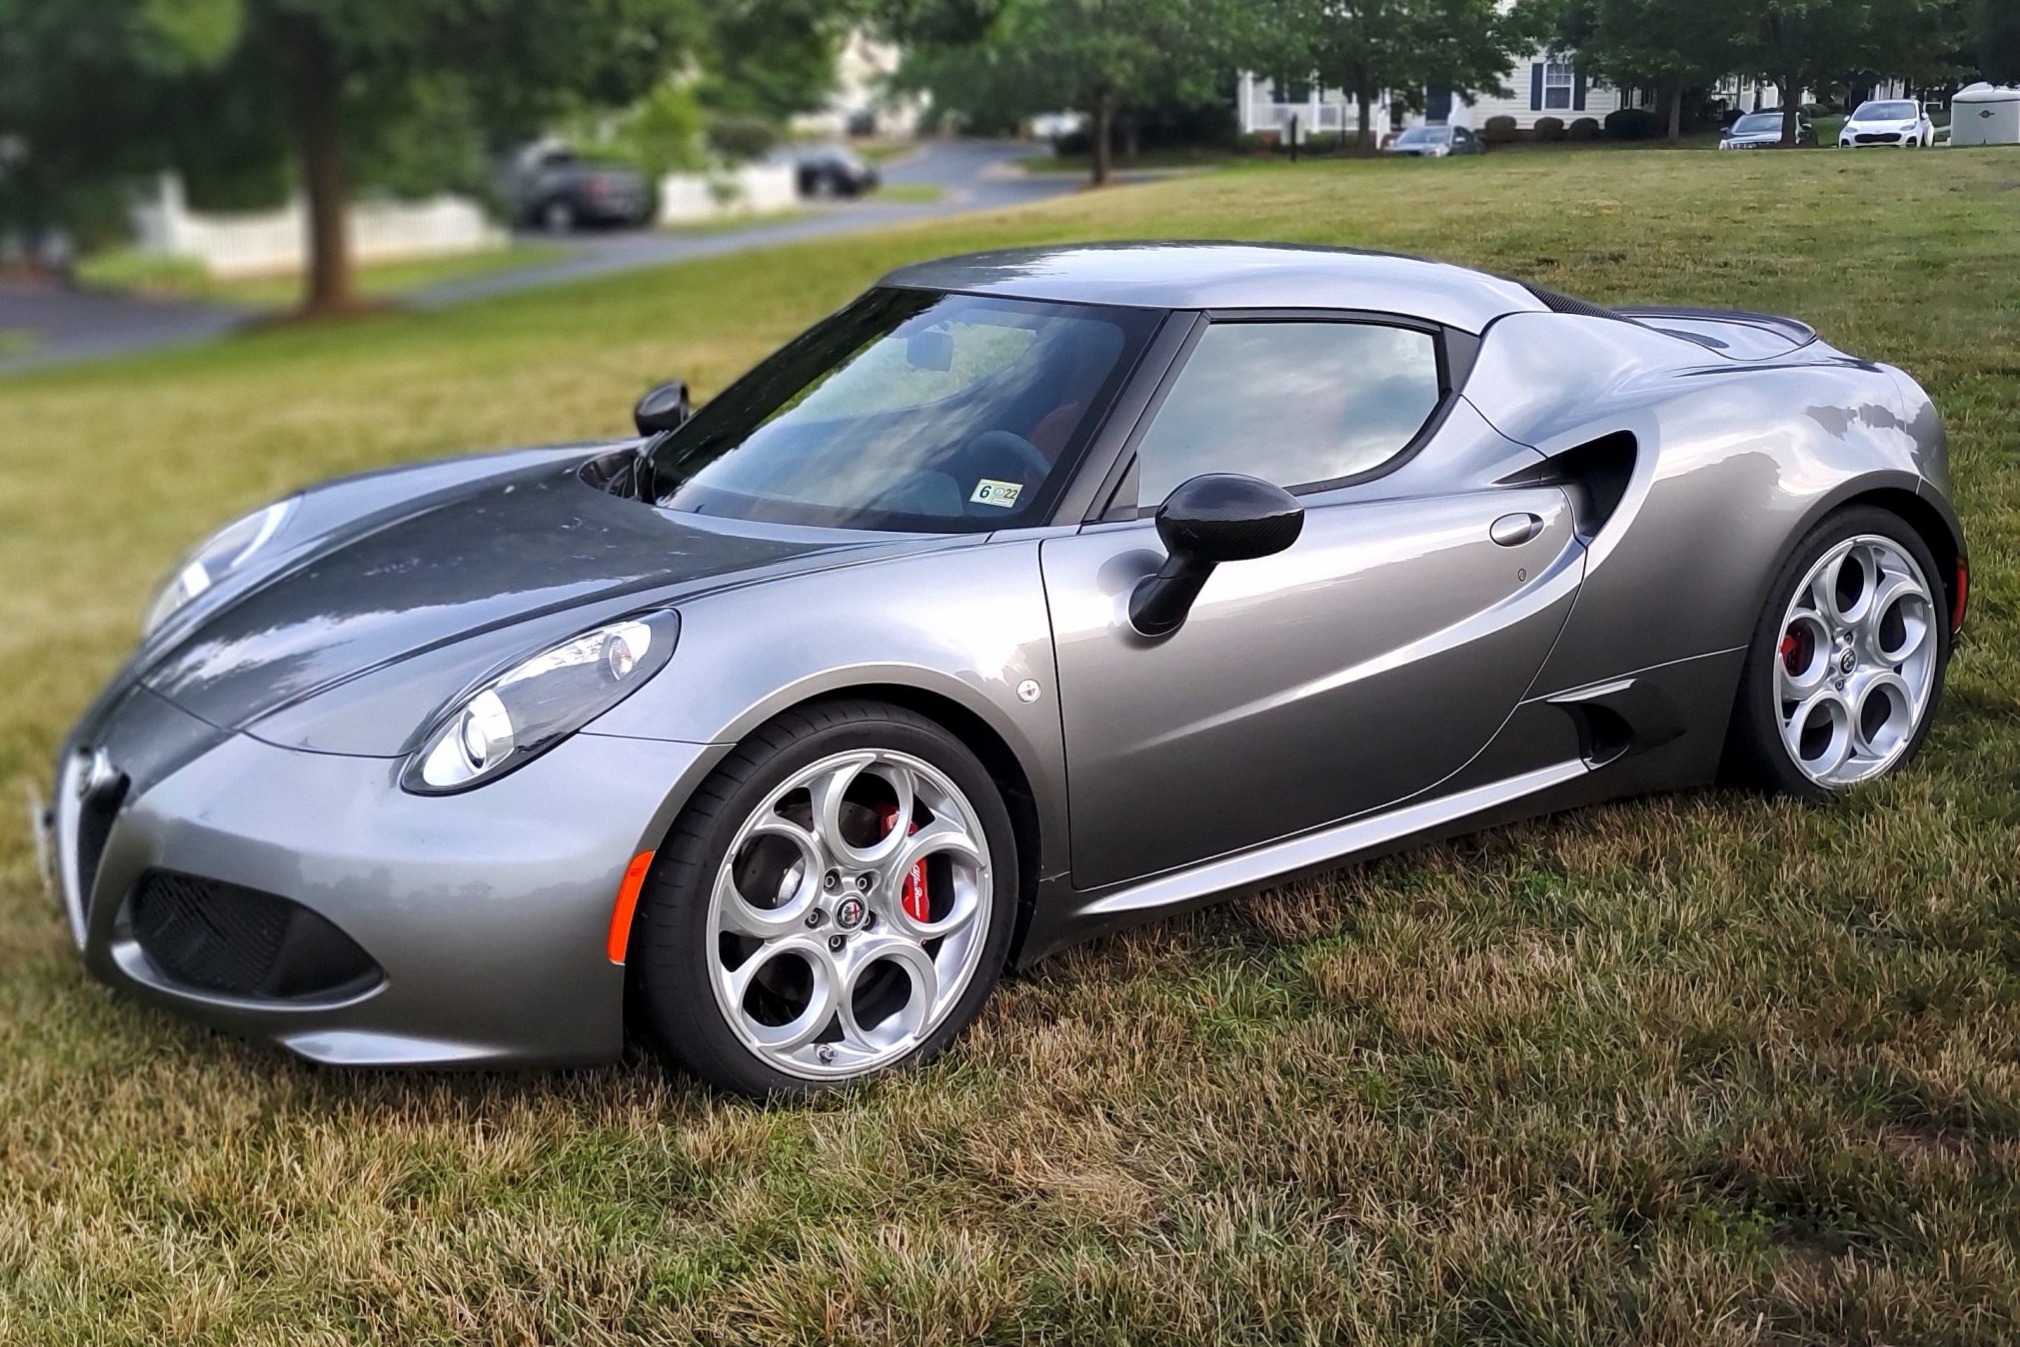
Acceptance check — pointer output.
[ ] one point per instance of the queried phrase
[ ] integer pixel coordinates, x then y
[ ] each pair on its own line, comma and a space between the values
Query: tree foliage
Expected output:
1002, 60
1996, 40
1405, 47
400, 94
1670, 47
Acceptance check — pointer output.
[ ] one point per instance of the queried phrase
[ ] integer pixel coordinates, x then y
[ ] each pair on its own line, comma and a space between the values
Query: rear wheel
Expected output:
836, 900
1847, 662
557, 216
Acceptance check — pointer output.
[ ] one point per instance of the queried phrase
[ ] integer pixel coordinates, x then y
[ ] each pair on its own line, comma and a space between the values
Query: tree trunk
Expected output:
317, 97
1366, 105
1676, 113
1104, 132
1791, 87
1132, 138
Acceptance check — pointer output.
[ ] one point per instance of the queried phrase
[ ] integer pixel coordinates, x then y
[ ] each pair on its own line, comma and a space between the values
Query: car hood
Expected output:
531, 555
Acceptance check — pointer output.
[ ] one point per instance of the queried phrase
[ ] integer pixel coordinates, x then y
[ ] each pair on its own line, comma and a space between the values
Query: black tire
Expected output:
673, 1002
557, 215
1755, 753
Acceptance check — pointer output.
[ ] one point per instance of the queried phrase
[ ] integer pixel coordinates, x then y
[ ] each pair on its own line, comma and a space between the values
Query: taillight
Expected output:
1962, 597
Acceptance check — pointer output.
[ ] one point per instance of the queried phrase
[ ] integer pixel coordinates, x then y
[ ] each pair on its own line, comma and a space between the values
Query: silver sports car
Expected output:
1031, 595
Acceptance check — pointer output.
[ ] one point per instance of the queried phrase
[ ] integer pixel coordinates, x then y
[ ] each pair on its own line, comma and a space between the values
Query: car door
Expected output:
1365, 664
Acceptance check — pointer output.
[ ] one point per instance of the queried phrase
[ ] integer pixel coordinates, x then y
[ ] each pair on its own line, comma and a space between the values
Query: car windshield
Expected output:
909, 411
1885, 112
1425, 135
1757, 123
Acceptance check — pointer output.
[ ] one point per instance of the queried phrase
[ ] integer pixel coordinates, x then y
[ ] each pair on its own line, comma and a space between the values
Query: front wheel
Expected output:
836, 900
1847, 662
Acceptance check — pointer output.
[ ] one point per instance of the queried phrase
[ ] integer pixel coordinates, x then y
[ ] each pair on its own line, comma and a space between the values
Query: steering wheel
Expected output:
992, 447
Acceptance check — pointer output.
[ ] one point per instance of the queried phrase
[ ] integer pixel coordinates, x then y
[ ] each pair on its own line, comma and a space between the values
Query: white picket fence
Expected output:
276, 242
685, 198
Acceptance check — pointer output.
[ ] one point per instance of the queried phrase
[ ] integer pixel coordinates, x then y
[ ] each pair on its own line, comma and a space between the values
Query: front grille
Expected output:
1877, 137
224, 938
95, 816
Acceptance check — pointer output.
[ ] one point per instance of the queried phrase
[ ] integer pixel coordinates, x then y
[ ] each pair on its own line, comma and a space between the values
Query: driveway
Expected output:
71, 326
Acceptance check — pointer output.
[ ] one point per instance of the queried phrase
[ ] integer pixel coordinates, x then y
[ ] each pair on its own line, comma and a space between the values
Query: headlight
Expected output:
228, 549
525, 711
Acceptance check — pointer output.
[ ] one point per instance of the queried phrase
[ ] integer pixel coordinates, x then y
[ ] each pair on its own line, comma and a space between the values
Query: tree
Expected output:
1662, 45
772, 58
1371, 47
81, 84
1998, 41
126, 85
1802, 44
1009, 59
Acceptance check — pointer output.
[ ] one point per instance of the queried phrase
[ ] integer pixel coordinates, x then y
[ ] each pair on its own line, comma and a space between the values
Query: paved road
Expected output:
77, 326
970, 176
74, 325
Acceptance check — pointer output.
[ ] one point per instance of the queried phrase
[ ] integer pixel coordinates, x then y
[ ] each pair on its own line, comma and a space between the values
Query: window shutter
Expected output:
1536, 87
1578, 92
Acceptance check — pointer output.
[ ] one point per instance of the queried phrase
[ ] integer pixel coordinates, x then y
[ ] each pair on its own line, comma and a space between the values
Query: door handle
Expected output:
1512, 530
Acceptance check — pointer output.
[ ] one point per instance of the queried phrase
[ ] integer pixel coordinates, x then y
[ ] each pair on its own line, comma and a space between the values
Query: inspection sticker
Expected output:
989, 491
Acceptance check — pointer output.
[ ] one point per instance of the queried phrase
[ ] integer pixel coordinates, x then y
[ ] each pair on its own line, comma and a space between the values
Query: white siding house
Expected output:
1541, 86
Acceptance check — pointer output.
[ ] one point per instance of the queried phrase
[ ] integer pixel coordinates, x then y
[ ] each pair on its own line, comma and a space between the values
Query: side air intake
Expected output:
1595, 474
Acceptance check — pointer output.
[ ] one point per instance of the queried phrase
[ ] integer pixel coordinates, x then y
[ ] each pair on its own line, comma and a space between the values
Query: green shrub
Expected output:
1549, 129
1585, 128
1500, 131
1632, 124
740, 137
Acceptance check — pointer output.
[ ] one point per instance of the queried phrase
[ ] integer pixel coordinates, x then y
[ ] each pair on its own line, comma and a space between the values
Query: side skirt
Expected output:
1356, 839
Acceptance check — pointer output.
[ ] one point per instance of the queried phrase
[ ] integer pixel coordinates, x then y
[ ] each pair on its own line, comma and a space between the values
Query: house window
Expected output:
1558, 80
1293, 90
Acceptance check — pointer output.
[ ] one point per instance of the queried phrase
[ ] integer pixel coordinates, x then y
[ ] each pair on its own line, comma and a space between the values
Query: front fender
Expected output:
969, 626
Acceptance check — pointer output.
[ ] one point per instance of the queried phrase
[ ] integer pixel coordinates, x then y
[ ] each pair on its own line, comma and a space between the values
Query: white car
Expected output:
1889, 121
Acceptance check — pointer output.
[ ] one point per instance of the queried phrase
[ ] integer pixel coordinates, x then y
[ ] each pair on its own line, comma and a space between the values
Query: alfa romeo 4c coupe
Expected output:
1031, 595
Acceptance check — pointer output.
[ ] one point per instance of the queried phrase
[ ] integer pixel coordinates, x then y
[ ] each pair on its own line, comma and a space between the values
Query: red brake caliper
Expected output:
917, 906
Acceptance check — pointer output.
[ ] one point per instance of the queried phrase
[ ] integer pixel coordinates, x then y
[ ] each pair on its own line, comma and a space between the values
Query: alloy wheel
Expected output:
849, 914
1855, 668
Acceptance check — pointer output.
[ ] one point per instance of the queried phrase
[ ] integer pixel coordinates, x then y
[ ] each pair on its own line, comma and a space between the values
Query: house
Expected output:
863, 102
1545, 84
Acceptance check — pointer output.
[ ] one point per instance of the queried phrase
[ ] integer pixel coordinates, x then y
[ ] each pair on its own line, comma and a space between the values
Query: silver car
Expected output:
1032, 595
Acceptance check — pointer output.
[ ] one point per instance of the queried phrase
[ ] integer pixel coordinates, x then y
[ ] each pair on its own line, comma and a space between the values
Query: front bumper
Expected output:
486, 914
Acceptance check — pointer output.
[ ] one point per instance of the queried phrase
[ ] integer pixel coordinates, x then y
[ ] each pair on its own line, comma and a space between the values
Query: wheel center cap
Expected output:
1847, 661
849, 913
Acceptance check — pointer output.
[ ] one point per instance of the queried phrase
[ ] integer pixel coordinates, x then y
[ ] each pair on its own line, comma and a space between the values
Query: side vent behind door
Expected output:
1595, 474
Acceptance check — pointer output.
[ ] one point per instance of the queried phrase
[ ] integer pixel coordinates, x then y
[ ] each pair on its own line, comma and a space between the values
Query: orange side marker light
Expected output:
627, 903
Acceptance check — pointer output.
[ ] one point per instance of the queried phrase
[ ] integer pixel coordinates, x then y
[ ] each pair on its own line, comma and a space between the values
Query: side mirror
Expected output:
1206, 520
663, 408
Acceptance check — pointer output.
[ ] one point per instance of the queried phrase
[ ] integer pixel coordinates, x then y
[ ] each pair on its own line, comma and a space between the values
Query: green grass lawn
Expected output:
1703, 1069
184, 278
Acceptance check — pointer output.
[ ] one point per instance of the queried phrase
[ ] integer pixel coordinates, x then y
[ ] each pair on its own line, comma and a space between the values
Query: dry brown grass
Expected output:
1690, 1070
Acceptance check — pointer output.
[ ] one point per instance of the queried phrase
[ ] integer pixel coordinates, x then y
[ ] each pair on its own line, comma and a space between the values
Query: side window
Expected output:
1293, 403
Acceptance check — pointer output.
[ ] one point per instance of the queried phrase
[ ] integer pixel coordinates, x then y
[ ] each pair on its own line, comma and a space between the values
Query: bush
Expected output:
1585, 128
739, 137
1549, 128
1632, 124
1500, 131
